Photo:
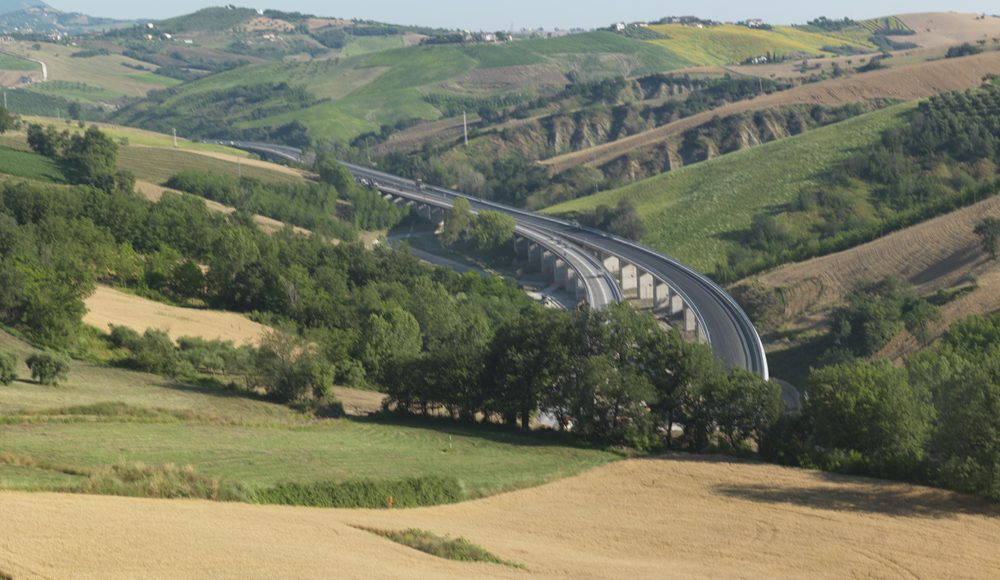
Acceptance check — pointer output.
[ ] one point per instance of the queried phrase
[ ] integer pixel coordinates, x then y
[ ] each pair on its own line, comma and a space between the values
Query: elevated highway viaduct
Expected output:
606, 268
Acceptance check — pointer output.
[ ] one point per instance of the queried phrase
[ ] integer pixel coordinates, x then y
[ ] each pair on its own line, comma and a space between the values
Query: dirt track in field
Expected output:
680, 517
904, 83
109, 306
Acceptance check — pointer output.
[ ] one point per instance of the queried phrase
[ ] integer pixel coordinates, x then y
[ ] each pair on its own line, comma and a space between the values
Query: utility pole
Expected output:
5, 99
465, 127
175, 137
368, 151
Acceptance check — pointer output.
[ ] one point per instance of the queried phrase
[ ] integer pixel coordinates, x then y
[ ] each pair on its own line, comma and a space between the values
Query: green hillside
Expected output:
695, 213
214, 18
730, 43
350, 96
53, 436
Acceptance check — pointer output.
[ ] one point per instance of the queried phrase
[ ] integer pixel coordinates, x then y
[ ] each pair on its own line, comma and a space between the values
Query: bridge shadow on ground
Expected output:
844, 493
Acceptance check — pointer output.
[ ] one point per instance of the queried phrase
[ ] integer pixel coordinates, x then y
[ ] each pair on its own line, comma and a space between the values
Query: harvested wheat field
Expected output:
948, 28
905, 83
678, 517
109, 306
939, 254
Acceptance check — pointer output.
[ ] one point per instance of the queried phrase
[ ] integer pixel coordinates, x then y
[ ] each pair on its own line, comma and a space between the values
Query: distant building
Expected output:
618, 27
756, 23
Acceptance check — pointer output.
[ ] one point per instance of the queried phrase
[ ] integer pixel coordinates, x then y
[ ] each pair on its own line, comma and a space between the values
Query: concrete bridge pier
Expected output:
535, 257
521, 248
690, 321
612, 264
676, 304
549, 263
425, 212
661, 297
646, 284
562, 270
581, 289
629, 277
572, 280
437, 214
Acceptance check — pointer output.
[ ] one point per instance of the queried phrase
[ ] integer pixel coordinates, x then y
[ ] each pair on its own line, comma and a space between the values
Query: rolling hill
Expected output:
732, 44
697, 517
941, 255
350, 96
695, 212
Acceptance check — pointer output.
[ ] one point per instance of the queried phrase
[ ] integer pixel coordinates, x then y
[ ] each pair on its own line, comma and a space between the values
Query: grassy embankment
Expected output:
54, 436
696, 212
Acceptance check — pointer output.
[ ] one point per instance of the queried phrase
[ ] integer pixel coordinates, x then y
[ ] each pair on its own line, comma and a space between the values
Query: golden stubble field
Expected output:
109, 306
676, 517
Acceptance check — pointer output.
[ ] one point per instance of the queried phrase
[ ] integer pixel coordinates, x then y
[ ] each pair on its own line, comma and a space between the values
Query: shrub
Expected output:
8, 367
166, 481
459, 549
48, 368
365, 493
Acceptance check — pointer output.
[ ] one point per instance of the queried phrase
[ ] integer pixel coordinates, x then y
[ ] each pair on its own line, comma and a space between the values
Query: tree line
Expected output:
613, 376
935, 421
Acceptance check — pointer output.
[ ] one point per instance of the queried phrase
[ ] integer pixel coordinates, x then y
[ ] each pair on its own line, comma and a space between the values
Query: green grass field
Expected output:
367, 44
76, 91
156, 164
730, 43
251, 442
30, 165
365, 90
117, 75
10, 62
693, 212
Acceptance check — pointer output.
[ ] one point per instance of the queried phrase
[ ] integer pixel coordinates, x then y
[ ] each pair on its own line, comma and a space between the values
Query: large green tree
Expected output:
456, 221
870, 408
492, 230
92, 159
988, 231
391, 334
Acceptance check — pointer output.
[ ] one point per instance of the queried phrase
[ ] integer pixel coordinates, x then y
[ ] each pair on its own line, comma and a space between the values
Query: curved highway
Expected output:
726, 327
